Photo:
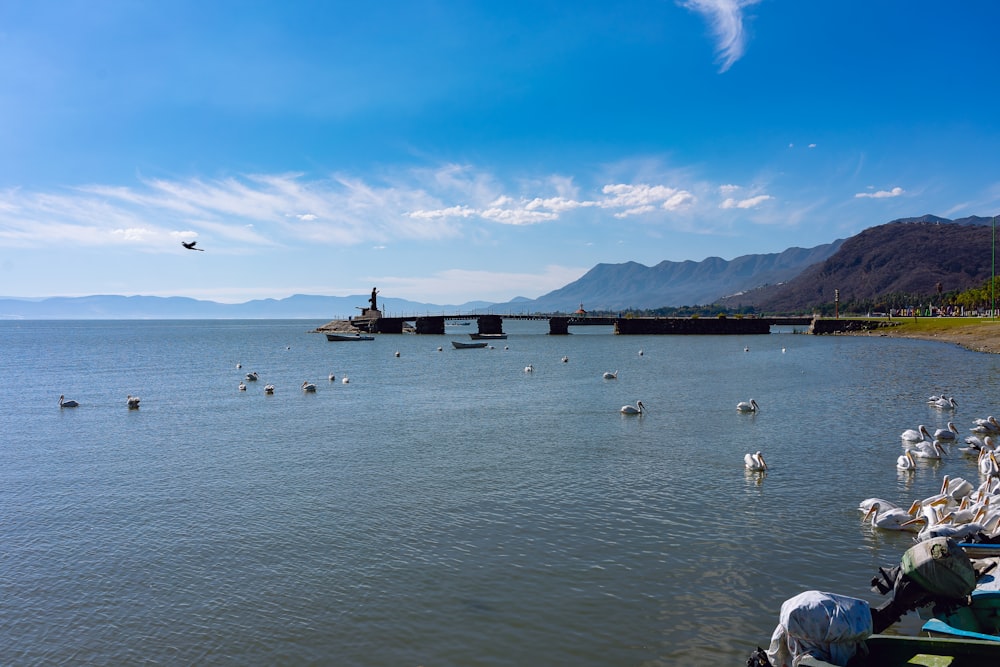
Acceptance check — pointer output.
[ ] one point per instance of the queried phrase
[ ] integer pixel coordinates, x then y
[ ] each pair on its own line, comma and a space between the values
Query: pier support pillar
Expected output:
490, 324
430, 325
558, 326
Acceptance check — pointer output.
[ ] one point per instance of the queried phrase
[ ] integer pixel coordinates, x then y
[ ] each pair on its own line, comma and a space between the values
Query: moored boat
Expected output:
336, 337
488, 336
468, 346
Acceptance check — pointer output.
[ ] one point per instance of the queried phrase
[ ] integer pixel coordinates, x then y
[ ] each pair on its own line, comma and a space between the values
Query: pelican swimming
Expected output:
565, 359
943, 402
906, 461
132, 402
268, 389
888, 518
636, 409
529, 368
63, 403
243, 387
252, 376
988, 466
916, 435
608, 375
947, 434
928, 450
986, 426
397, 353
345, 380
308, 387
754, 462
239, 365
747, 406
867, 503
332, 377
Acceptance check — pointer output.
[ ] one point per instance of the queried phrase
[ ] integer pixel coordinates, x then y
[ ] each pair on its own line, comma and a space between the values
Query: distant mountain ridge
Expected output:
633, 285
907, 255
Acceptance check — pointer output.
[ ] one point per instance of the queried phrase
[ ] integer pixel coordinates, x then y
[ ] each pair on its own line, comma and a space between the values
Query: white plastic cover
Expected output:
826, 626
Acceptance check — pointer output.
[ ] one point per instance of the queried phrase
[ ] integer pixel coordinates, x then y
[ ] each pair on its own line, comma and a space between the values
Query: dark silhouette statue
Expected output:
373, 299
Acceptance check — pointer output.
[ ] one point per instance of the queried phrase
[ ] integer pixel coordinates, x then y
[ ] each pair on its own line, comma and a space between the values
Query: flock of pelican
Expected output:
961, 508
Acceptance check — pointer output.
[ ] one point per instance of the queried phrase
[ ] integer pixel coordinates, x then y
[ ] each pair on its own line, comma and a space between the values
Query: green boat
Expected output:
898, 650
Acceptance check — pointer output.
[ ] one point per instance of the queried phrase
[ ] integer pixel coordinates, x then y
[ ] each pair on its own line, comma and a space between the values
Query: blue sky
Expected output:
457, 150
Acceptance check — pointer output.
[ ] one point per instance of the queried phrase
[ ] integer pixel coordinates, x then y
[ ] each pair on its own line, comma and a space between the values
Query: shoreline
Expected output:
978, 336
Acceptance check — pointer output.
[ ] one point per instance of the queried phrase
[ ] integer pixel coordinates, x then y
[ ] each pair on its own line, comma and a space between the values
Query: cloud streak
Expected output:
881, 194
725, 18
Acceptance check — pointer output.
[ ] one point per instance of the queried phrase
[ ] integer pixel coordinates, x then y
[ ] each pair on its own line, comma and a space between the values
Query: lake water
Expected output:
445, 507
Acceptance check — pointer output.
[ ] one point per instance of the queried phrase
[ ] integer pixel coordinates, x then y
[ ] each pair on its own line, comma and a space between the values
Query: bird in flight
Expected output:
190, 245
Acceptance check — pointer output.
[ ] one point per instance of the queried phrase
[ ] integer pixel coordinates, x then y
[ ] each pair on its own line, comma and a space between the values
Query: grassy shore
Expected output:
977, 334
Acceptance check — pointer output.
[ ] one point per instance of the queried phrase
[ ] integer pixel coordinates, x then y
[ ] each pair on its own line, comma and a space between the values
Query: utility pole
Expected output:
836, 304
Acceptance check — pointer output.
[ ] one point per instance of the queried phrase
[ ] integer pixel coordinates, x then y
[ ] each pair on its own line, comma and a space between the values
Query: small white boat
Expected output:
467, 346
487, 336
336, 337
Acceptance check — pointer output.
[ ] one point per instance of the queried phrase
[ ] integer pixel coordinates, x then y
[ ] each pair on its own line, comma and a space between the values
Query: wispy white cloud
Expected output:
256, 211
732, 200
881, 194
750, 202
725, 18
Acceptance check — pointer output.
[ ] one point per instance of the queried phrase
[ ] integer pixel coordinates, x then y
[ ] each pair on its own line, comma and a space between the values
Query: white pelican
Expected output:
906, 461
956, 487
332, 377
943, 402
346, 380
63, 403
640, 351
243, 387
608, 375
397, 353
947, 434
867, 503
252, 376
755, 462
308, 387
636, 409
565, 359
440, 348
916, 435
889, 518
928, 450
529, 368
132, 402
988, 466
239, 365
986, 426
268, 389
747, 406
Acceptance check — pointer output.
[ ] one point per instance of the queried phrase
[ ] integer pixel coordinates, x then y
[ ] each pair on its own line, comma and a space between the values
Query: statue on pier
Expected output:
372, 300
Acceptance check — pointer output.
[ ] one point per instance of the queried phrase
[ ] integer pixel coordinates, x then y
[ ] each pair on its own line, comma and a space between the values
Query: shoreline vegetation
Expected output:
978, 335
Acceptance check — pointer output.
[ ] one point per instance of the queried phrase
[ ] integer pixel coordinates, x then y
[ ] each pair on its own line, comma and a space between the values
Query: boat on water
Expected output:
336, 337
486, 336
459, 345
953, 585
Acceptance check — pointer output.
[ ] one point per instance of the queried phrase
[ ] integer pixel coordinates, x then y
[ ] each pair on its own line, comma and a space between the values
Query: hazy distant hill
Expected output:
909, 256
299, 306
633, 285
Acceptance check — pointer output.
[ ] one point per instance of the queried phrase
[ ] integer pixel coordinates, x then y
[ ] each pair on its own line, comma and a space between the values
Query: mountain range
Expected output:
909, 255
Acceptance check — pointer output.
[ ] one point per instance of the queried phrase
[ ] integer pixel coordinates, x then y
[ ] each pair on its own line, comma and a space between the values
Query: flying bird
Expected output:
190, 245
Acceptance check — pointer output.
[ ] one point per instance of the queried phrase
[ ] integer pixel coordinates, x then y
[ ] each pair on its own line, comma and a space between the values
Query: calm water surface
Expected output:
445, 507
